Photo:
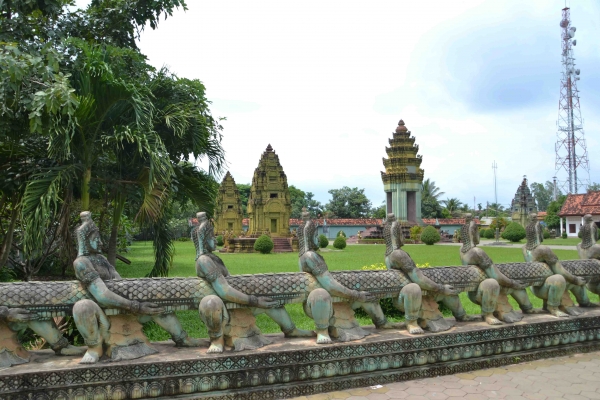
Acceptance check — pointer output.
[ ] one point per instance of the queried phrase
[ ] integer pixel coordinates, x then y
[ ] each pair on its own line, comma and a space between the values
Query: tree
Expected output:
313, 206
552, 219
452, 205
430, 208
244, 189
430, 190
298, 200
495, 210
379, 212
593, 187
349, 203
543, 194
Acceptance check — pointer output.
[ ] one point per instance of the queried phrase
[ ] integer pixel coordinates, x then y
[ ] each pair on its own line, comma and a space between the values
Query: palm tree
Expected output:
431, 190
452, 205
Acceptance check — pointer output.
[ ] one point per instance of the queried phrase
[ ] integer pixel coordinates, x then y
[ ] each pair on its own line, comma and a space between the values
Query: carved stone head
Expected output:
205, 235
88, 236
587, 218
532, 217
392, 233
307, 235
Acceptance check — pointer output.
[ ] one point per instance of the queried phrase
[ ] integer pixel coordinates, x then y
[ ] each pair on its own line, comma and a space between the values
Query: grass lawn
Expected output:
353, 257
549, 242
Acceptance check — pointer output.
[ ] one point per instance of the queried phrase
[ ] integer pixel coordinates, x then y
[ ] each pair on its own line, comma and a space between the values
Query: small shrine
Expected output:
403, 176
523, 203
228, 210
269, 204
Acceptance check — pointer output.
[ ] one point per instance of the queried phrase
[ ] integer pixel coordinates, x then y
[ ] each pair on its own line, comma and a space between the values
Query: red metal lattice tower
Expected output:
571, 150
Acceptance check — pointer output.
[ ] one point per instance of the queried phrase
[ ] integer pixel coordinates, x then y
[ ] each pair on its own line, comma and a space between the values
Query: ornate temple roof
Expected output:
403, 163
523, 197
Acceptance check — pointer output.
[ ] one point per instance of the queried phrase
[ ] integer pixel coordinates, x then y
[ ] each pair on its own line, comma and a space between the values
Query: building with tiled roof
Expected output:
575, 207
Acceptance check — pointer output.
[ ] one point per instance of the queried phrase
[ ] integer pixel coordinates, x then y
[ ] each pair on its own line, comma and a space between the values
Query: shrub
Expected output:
580, 234
546, 234
341, 233
564, 235
430, 235
415, 232
220, 241
513, 232
339, 242
488, 233
263, 244
183, 239
323, 241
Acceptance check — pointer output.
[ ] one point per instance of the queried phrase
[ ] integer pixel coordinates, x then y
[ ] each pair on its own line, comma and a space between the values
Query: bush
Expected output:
513, 232
430, 235
580, 234
263, 244
339, 242
341, 233
323, 241
220, 241
184, 239
546, 234
415, 233
489, 234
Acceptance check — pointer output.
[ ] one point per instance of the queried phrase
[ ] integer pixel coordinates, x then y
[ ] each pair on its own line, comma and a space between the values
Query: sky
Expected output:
326, 82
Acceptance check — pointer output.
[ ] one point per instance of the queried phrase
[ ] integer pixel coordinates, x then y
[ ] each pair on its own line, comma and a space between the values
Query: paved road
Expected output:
575, 377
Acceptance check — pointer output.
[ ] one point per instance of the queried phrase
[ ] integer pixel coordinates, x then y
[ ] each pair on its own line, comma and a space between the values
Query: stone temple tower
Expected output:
269, 204
228, 211
523, 203
403, 176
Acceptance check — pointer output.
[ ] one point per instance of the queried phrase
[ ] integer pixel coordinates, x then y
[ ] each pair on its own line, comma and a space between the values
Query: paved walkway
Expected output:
575, 377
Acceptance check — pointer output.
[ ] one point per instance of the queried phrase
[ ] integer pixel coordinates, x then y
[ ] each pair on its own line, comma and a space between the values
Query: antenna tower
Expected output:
571, 150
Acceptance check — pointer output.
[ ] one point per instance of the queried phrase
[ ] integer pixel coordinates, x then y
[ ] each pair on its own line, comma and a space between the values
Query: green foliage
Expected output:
415, 233
323, 241
552, 219
546, 234
263, 244
514, 232
431, 208
339, 243
379, 212
300, 200
498, 223
564, 235
220, 241
244, 189
349, 203
543, 194
183, 239
430, 235
490, 233
452, 205
593, 187
580, 234
341, 233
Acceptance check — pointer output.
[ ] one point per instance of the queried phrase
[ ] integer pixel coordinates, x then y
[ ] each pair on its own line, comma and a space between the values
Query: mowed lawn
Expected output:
354, 257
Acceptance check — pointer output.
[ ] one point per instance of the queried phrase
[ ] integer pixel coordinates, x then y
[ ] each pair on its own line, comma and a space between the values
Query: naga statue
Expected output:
552, 291
470, 254
119, 335
337, 319
239, 329
397, 259
588, 248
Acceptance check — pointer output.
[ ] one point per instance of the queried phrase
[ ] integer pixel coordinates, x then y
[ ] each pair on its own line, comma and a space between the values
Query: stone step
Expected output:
281, 245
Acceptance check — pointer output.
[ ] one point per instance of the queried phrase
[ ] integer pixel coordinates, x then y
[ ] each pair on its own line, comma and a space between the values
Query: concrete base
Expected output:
296, 367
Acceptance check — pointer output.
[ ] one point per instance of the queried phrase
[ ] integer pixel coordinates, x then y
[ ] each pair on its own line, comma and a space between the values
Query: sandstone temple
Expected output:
228, 209
403, 176
523, 203
269, 204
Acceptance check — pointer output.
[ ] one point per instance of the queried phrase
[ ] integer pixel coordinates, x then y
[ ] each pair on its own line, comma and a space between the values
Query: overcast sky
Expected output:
325, 83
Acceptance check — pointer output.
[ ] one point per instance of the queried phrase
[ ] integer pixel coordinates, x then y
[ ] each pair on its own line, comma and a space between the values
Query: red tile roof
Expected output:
581, 204
447, 221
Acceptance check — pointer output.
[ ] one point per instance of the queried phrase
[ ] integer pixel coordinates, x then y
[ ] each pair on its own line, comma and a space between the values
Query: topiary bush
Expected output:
263, 244
220, 241
546, 234
430, 235
323, 241
339, 242
341, 233
564, 235
514, 232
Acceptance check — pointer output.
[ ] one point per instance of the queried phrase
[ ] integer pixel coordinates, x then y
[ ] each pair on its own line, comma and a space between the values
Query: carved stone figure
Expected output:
337, 320
396, 258
119, 335
588, 248
553, 289
470, 254
239, 328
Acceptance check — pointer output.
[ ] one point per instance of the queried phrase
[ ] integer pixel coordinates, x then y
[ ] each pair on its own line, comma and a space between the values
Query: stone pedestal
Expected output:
126, 340
11, 351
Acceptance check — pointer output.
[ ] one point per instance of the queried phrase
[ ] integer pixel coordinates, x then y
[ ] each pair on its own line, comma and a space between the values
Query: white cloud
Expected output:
325, 84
